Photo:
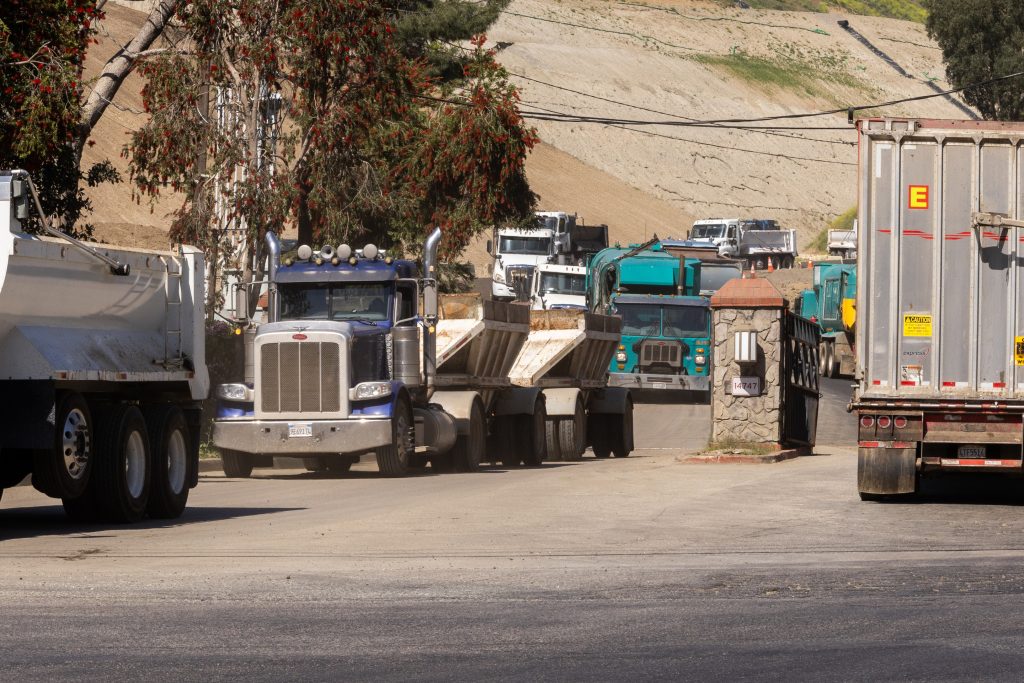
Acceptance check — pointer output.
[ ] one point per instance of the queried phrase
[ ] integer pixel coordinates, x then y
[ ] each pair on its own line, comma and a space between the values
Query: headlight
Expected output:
367, 390
620, 357
499, 277
700, 360
235, 392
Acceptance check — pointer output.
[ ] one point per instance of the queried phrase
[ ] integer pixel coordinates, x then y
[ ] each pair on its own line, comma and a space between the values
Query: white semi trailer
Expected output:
102, 360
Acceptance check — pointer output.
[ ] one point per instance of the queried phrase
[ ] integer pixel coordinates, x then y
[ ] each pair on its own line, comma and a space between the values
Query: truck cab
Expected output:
558, 287
831, 305
759, 242
517, 252
723, 233
665, 323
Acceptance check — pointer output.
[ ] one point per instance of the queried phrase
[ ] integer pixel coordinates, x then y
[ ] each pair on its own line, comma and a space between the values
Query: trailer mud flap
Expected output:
886, 471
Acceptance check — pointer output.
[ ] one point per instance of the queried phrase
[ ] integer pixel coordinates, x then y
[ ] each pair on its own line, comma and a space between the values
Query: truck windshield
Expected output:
563, 283
640, 320
508, 244
685, 321
336, 301
702, 231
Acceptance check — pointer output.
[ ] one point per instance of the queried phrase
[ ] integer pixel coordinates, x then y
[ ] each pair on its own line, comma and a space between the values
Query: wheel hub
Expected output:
76, 444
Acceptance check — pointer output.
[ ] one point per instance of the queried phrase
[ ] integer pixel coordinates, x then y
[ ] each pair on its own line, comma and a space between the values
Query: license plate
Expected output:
975, 452
300, 429
659, 385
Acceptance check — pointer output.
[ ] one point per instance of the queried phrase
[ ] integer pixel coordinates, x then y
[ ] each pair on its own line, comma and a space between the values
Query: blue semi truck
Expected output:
832, 305
666, 325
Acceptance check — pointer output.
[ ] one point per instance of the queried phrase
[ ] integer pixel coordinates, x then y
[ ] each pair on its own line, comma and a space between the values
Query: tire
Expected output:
63, 471
760, 263
622, 439
393, 459
122, 474
598, 431
315, 464
170, 462
551, 439
533, 437
822, 359
571, 434
469, 448
236, 465
830, 368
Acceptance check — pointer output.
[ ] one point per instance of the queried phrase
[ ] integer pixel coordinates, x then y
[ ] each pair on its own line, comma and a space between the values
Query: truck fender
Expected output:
561, 402
459, 405
517, 401
610, 401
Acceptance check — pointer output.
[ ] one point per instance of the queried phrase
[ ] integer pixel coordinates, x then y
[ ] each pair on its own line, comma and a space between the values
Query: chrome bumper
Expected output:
660, 382
270, 437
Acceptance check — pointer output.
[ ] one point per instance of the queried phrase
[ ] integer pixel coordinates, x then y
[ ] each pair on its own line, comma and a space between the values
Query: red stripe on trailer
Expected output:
870, 444
949, 384
876, 382
978, 462
998, 385
907, 383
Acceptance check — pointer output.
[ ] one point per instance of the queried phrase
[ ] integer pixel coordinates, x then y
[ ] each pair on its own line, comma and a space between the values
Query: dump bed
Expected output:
940, 300
567, 349
478, 340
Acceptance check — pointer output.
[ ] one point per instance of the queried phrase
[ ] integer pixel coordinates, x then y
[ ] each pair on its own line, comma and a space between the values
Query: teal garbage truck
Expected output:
832, 305
666, 325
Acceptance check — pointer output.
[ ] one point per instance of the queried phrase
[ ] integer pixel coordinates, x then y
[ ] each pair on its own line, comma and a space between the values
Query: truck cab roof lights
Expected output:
370, 251
304, 252
343, 252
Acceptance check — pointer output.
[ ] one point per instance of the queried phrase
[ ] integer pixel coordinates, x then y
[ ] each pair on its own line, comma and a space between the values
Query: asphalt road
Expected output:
613, 569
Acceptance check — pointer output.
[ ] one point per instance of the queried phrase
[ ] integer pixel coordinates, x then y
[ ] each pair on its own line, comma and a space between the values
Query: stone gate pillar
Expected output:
746, 395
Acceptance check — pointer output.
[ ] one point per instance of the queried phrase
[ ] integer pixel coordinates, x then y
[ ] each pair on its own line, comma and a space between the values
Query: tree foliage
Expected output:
982, 40
319, 117
42, 51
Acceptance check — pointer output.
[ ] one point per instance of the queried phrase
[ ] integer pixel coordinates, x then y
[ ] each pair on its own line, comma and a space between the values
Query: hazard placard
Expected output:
917, 197
917, 325
1018, 351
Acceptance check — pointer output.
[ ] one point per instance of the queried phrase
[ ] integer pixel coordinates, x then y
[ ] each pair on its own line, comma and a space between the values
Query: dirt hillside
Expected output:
682, 58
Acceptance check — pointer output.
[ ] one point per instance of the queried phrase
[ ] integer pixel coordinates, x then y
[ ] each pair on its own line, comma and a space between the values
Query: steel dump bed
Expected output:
567, 349
940, 301
478, 340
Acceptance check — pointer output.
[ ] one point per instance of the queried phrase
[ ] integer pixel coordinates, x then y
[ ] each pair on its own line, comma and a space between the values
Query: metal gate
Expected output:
801, 339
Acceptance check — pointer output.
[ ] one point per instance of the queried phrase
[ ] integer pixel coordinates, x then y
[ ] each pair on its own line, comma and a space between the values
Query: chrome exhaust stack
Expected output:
428, 286
274, 262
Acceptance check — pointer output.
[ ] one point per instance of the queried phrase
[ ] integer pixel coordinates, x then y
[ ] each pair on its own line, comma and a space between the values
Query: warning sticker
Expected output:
917, 325
918, 197
1018, 351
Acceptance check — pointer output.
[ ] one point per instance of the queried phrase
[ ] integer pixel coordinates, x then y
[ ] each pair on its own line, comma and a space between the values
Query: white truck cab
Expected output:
557, 286
517, 253
759, 242
721, 232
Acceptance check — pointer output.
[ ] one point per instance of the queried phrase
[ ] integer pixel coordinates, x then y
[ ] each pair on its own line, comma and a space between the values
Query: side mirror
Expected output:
489, 247
241, 302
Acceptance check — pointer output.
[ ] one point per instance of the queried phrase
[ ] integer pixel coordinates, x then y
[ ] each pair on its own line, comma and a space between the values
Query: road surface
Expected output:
613, 569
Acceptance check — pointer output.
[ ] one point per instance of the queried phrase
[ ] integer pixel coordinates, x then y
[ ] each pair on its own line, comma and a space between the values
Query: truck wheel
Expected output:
533, 436
622, 439
235, 465
760, 263
571, 433
63, 471
551, 428
830, 368
169, 462
597, 428
393, 459
122, 471
822, 359
469, 448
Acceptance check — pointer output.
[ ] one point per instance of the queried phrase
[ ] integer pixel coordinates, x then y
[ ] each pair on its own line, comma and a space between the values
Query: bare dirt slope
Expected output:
684, 58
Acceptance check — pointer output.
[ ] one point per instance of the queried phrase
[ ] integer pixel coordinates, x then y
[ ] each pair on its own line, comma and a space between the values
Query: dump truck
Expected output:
566, 355
556, 286
361, 357
666, 325
103, 366
757, 242
843, 243
831, 304
940, 295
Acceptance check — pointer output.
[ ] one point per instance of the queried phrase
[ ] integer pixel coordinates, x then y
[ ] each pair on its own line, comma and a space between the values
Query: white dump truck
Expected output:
102, 360
843, 243
940, 296
755, 241
362, 357
567, 356
555, 286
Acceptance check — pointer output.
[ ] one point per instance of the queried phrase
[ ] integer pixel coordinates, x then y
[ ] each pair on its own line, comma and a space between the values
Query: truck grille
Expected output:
661, 356
300, 377
516, 274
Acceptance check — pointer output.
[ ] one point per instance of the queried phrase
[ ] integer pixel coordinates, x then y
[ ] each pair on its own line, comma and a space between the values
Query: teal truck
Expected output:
832, 304
666, 326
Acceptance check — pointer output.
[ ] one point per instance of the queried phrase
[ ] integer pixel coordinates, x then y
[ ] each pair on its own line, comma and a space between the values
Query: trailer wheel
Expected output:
551, 428
236, 465
393, 459
170, 458
122, 474
597, 428
469, 448
622, 440
63, 471
760, 262
572, 432
533, 435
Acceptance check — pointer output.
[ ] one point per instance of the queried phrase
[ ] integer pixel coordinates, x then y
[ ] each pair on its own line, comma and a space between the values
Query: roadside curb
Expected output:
743, 458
